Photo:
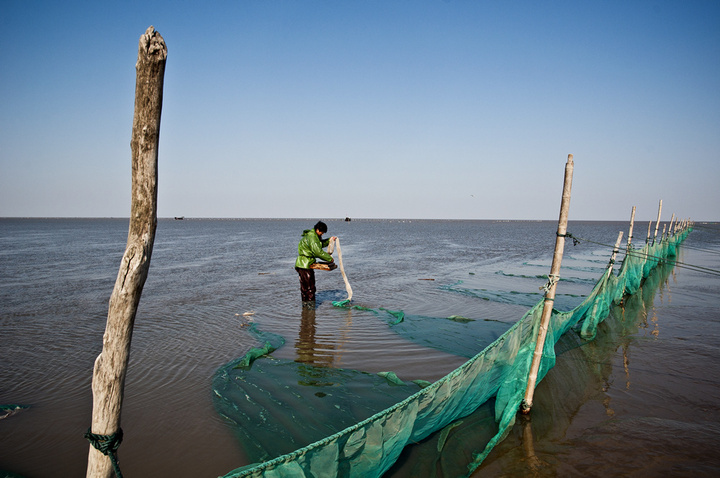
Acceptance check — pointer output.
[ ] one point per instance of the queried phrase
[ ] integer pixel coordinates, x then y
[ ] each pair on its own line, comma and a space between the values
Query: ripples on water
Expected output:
56, 277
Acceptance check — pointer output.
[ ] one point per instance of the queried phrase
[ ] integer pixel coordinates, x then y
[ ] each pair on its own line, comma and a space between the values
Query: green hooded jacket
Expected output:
310, 248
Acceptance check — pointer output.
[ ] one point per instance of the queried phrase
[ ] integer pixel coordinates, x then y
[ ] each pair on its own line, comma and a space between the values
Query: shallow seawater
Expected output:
641, 400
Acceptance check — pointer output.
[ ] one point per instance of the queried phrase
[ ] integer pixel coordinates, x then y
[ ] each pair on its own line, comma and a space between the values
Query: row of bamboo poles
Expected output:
553, 278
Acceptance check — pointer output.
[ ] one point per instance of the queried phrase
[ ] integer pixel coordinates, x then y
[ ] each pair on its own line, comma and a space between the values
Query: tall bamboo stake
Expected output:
647, 239
616, 249
632, 225
657, 223
550, 291
670, 227
111, 365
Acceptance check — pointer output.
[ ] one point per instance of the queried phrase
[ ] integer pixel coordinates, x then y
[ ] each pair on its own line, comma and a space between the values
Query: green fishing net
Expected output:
360, 423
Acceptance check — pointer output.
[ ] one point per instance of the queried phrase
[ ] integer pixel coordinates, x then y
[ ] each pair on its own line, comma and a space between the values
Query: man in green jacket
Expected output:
310, 248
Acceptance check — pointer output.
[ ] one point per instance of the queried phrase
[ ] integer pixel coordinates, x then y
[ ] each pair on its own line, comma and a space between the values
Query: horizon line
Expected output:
342, 219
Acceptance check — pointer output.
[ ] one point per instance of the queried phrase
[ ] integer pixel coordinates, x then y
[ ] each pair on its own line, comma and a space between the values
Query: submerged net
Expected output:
352, 435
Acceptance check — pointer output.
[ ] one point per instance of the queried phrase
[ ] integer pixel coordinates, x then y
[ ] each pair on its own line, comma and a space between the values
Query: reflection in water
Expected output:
656, 325
306, 344
626, 366
534, 463
319, 352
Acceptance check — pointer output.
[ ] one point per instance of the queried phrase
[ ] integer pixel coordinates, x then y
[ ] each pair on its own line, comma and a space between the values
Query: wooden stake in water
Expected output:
110, 367
552, 284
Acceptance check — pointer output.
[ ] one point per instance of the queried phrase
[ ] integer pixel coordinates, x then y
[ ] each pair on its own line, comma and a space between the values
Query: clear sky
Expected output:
370, 109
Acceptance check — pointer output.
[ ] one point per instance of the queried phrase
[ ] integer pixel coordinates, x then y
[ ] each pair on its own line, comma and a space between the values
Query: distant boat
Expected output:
347, 219
180, 218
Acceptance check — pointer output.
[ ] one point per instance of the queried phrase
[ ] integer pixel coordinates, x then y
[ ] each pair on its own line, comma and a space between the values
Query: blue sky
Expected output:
369, 109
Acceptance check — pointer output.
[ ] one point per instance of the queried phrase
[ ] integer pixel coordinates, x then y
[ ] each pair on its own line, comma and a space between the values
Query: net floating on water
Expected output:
371, 446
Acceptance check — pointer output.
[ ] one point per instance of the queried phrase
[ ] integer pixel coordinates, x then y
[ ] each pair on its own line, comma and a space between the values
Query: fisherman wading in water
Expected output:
310, 248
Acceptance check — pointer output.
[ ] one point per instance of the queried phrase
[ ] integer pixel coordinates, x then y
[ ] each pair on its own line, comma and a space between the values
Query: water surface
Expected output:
641, 400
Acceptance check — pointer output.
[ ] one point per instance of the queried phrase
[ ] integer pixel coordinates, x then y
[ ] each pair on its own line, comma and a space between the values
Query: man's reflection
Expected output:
318, 357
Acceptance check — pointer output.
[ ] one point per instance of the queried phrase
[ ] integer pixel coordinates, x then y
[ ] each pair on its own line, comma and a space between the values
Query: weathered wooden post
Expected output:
552, 284
108, 381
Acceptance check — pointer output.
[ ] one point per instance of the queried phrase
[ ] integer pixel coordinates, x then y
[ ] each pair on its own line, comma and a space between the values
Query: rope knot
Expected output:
552, 280
576, 241
107, 445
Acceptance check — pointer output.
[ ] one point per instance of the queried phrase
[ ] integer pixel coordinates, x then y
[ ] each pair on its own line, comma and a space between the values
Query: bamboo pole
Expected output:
552, 284
657, 223
670, 227
616, 249
111, 365
647, 239
632, 225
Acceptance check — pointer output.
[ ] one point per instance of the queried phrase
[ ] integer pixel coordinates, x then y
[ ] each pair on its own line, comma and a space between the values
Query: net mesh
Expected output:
357, 437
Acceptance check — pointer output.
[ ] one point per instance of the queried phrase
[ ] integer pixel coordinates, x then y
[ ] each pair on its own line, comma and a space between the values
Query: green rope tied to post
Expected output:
576, 240
107, 445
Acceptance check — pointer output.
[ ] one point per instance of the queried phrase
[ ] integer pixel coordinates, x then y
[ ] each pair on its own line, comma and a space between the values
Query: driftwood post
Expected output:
552, 284
110, 367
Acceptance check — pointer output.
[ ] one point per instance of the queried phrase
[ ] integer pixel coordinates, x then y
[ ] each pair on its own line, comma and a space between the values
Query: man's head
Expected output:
320, 228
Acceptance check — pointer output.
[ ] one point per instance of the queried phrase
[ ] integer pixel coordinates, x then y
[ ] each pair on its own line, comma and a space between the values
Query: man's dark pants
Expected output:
307, 283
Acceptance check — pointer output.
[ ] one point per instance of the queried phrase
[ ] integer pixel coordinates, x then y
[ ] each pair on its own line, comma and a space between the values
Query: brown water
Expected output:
639, 401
